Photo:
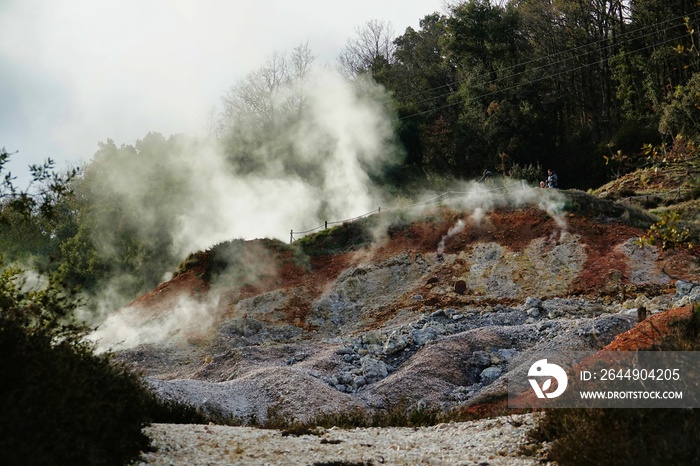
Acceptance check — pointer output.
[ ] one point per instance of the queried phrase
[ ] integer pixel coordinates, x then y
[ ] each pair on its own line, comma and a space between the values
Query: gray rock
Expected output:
490, 374
395, 343
506, 354
373, 369
372, 338
532, 302
429, 332
544, 326
481, 359
684, 288
688, 289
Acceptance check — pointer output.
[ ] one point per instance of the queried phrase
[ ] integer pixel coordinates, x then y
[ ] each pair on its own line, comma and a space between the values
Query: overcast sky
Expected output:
76, 72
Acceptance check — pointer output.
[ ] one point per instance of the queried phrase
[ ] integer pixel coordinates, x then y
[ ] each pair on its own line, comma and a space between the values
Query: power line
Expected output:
634, 33
464, 101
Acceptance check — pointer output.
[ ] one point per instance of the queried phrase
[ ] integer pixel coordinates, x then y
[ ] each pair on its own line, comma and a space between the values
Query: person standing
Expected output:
552, 179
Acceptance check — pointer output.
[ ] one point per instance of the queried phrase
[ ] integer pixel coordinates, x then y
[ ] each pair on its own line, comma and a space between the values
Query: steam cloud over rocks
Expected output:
134, 326
286, 157
129, 328
287, 174
306, 157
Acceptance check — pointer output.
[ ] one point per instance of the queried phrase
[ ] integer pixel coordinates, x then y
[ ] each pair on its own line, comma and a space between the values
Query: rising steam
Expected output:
252, 182
477, 199
261, 179
186, 319
293, 175
455, 230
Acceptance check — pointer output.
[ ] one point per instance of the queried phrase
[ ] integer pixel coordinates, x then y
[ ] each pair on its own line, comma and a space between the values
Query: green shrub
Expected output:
400, 414
61, 404
598, 436
668, 232
531, 173
343, 238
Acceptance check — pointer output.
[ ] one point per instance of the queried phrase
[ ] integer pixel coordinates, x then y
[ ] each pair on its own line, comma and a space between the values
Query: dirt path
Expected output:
483, 442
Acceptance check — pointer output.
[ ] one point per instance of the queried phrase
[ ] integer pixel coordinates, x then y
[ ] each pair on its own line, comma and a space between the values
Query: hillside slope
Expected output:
426, 307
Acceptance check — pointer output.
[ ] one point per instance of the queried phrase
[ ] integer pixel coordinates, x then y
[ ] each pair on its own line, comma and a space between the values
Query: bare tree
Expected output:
268, 95
372, 47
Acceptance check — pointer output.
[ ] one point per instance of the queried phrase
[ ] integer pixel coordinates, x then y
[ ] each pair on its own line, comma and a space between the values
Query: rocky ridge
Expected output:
431, 313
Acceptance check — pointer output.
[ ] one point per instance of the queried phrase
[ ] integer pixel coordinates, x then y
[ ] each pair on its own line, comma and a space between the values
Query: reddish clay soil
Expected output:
650, 332
514, 228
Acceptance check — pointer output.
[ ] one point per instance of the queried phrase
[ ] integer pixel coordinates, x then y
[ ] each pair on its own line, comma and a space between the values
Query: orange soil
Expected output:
514, 228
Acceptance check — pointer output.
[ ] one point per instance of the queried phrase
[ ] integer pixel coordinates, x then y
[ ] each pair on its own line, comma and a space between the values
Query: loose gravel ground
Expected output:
484, 442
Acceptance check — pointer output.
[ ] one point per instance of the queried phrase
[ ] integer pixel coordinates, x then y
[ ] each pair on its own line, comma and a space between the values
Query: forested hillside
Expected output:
593, 89
560, 83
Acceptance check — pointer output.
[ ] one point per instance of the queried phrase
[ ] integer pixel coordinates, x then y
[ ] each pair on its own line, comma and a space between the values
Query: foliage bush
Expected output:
621, 436
530, 173
681, 113
399, 414
59, 402
668, 232
343, 238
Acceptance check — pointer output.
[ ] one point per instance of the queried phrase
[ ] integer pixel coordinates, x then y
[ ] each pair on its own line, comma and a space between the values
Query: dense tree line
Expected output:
561, 83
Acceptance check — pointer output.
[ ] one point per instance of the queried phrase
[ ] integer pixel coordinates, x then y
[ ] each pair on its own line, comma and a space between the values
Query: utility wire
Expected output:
476, 78
633, 33
542, 78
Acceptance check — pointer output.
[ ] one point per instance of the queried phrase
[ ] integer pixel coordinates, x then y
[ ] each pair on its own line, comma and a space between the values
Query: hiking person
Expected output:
552, 179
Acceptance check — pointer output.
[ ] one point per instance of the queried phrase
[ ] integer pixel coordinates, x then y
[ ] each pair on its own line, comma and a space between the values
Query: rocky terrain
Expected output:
430, 311
422, 308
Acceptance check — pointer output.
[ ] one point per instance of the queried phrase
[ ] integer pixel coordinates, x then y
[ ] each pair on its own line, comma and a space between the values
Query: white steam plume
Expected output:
344, 133
477, 199
186, 318
455, 230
